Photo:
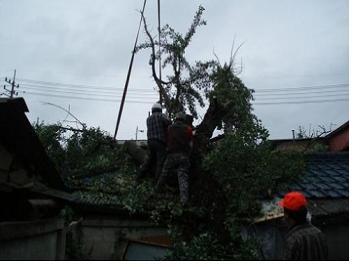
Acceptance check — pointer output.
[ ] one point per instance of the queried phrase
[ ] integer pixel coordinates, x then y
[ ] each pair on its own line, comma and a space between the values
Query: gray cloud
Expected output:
287, 44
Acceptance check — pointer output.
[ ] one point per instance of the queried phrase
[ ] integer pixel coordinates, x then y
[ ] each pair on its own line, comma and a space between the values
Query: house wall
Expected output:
105, 237
12, 171
340, 141
292, 145
299, 145
5, 163
32, 240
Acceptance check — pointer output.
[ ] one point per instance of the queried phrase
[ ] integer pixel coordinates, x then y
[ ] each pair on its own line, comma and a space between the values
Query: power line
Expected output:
88, 98
257, 90
153, 94
81, 87
138, 91
70, 85
71, 89
300, 93
300, 102
28, 88
302, 87
138, 97
300, 97
150, 102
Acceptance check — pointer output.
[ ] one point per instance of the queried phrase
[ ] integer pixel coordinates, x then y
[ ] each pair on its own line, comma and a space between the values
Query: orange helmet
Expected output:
293, 201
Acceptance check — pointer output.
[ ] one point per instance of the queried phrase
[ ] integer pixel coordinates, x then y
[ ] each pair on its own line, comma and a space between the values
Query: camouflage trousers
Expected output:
179, 163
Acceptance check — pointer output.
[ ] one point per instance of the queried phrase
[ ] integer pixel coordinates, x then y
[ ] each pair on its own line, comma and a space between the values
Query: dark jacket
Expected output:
179, 138
157, 125
305, 242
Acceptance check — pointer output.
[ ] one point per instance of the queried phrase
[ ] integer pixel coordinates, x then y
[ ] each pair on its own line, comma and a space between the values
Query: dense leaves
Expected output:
182, 88
241, 170
83, 153
228, 178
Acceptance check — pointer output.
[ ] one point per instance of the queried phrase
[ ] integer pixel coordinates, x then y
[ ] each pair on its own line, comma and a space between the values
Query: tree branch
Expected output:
158, 81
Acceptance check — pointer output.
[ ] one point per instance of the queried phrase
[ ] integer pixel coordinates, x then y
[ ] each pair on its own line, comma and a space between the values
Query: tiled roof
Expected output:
326, 177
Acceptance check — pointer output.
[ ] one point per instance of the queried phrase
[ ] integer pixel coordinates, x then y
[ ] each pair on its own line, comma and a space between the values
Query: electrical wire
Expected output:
327, 86
108, 88
140, 92
74, 91
300, 93
150, 102
88, 98
84, 93
300, 97
82, 88
300, 102
135, 95
110, 94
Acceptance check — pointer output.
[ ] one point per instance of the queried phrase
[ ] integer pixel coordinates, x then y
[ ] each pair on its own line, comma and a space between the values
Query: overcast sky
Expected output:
287, 44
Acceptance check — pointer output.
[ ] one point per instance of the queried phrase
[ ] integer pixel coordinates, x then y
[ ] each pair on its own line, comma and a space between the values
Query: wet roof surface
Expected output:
326, 176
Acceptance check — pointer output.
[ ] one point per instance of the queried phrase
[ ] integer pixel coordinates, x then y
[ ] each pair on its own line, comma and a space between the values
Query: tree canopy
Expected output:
228, 177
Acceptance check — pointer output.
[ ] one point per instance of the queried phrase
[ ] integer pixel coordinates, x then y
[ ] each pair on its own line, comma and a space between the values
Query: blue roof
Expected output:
326, 177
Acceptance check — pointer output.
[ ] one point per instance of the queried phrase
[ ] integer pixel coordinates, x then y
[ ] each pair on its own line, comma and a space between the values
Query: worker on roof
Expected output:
303, 240
178, 155
157, 125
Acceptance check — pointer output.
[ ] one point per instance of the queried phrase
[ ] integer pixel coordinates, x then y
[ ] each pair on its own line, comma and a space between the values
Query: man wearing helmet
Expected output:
178, 149
157, 125
303, 240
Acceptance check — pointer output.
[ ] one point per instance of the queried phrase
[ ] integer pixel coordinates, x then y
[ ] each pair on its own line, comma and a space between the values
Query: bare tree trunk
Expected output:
205, 129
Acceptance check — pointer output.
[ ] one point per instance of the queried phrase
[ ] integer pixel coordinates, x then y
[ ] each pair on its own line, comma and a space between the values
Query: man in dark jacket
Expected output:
303, 240
157, 125
178, 153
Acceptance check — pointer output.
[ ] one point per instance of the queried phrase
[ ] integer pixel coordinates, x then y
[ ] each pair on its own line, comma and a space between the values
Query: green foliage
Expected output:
233, 98
246, 170
187, 84
52, 138
183, 82
81, 153
234, 174
241, 169
208, 246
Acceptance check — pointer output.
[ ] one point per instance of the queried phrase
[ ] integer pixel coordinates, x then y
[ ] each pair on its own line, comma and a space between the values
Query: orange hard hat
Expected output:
293, 201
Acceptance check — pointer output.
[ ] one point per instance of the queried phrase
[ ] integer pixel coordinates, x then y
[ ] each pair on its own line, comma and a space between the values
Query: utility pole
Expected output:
128, 74
13, 86
159, 48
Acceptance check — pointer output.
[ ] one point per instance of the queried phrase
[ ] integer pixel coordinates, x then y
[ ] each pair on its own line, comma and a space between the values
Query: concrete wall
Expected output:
32, 240
105, 237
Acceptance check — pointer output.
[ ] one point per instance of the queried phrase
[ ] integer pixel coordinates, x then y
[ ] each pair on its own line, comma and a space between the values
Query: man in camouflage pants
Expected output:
178, 149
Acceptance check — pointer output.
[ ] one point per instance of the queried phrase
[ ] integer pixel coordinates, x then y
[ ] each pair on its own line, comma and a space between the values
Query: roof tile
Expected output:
326, 176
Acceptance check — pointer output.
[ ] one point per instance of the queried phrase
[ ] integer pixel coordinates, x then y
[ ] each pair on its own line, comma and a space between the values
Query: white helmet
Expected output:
156, 106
